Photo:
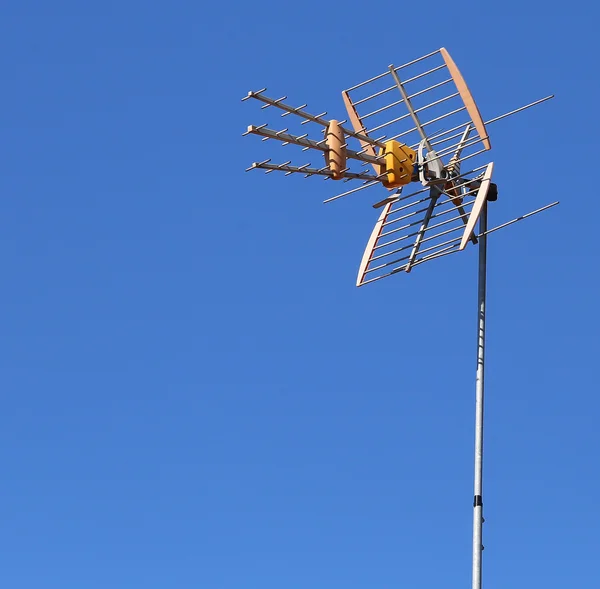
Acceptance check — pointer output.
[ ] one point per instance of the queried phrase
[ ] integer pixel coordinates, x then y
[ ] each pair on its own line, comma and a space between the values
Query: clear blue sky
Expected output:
194, 394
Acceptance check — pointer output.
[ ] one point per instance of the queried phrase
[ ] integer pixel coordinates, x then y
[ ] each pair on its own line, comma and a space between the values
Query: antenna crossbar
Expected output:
307, 143
310, 118
289, 169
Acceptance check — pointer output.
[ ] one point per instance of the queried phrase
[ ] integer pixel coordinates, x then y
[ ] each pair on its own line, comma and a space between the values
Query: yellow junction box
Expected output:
398, 164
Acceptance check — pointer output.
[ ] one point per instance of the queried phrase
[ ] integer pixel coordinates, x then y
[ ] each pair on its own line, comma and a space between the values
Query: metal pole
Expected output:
479, 392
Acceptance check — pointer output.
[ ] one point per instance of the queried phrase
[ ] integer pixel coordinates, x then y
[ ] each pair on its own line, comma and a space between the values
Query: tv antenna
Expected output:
435, 195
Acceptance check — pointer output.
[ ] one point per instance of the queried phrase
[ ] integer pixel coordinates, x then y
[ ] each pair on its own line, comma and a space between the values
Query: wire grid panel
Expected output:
438, 96
400, 241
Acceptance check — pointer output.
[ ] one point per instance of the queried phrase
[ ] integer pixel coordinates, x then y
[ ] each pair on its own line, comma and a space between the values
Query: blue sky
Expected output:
194, 392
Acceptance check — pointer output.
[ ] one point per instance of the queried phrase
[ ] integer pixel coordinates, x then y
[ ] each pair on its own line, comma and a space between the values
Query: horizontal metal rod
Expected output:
411, 204
290, 109
404, 65
361, 137
489, 122
403, 217
466, 157
425, 90
394, 87
445, 132
397, 69
376, 95
425, 199
377, 183
446, 222
473, 141
403, 197
411, 244
398, 102
522, 108
417, 222
407, 225
454, 207
441, 234
449, 114
375, 279
403, 237
443, 252
456, 135
287, 168
519, 218
359, 176
287, 138
269, 167
382, 109
455, 240
451, 249
451, 148
466, 182
312, 118
390, 263
396, 120
307, 143
304, 170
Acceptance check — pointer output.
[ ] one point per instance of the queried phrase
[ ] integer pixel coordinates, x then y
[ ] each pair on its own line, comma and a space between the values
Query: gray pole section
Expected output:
478, 486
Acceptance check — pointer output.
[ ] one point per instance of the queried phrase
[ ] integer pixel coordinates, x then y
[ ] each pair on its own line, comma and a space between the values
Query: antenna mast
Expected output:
437, 217
479, 397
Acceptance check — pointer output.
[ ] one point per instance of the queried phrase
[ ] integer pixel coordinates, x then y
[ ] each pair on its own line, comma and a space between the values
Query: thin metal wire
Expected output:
386, 90
369, 185
398, 119
411, 96
305, 170
441, 203
404, 237
449, 114
407, 257
425, 239
520, 218
490, 121
436, 215
443, 252
397, 69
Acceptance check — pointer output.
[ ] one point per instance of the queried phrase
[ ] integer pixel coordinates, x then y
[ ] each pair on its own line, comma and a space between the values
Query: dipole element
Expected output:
479, 396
